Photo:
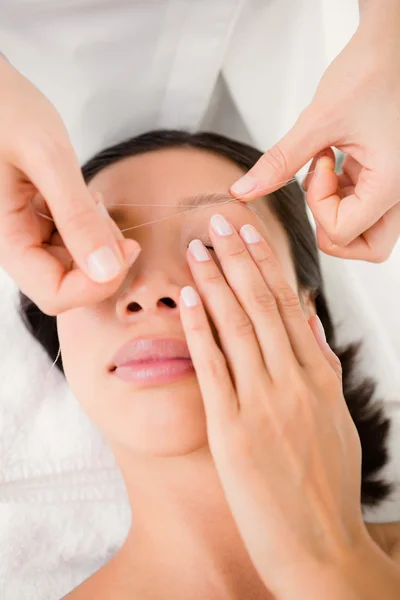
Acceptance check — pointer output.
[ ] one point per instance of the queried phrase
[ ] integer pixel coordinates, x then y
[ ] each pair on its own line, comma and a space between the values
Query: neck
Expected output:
183, 537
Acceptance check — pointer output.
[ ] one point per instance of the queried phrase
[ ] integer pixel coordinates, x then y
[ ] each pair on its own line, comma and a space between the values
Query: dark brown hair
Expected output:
288, 204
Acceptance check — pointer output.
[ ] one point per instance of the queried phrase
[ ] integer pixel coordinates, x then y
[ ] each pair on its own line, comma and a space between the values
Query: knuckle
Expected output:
48, 307
263, 300
267, 260
274, 158
213, 276
337, 237
240, 325
287, 298
216, 365
379, 255
76, 217
197, 327
324, 245
238, 253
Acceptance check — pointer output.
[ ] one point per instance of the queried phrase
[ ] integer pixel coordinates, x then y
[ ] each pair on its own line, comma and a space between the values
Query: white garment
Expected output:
114, 69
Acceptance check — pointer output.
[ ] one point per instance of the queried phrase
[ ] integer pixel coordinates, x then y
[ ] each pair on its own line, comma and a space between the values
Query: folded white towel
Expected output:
63, 504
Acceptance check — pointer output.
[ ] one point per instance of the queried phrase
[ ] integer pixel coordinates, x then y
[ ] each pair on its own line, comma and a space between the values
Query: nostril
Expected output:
169, 302
134, 307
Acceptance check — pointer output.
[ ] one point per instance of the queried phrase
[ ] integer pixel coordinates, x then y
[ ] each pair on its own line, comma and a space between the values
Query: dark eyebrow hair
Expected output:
204, 199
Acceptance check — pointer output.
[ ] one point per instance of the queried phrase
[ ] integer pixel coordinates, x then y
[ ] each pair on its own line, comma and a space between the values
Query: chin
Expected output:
168, 421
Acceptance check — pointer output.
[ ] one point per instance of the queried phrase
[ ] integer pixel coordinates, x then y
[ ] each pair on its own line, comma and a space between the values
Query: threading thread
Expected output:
192, 209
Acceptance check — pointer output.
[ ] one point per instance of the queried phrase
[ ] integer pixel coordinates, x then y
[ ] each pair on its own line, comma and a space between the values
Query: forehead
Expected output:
172, 176
166, 175
169, 176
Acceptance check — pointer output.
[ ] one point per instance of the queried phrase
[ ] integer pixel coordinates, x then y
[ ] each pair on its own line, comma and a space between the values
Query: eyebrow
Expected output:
204, 199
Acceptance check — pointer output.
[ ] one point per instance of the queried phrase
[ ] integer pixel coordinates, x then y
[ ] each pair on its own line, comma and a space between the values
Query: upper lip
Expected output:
141, 349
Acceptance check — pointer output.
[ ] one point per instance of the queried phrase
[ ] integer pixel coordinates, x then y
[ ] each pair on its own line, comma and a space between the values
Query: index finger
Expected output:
23, 254
54, 170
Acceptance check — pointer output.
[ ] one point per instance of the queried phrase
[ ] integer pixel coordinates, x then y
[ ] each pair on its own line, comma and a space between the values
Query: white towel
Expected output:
63, 506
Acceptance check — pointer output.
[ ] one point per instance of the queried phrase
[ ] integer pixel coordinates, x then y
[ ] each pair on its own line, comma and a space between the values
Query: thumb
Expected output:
284, 159
319, 334
86, 234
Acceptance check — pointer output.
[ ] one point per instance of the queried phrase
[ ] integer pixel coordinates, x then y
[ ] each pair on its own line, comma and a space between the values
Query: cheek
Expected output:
79, 341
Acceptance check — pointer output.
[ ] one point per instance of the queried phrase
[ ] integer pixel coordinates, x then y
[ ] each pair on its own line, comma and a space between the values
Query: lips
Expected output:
153, 362
145, 350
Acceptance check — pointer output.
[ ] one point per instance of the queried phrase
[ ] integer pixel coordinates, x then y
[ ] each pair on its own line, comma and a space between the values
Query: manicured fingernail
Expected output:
103, 211
133, 256
189, 296
220, 225
244, 185
199, 251
321, 328
250, 234
103, 265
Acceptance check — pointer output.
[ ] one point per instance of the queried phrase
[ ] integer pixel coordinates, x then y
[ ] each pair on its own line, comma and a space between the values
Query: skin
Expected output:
355, 109
185, 541
39, 171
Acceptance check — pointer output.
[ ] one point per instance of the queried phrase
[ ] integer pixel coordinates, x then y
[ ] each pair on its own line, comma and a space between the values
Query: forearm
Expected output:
366, 576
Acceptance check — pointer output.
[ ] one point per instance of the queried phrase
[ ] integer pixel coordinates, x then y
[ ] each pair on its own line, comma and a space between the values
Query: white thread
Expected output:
236, 199
183, 212
285, 182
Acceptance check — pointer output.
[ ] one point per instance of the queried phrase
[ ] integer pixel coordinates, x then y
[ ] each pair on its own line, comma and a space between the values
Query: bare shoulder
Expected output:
110, 582
96, 586
79, 593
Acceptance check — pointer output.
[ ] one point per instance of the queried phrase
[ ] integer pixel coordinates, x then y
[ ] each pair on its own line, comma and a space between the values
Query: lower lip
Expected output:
155, 371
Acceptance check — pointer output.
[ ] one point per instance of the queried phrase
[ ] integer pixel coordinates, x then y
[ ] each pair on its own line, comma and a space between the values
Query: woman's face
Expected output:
165, 419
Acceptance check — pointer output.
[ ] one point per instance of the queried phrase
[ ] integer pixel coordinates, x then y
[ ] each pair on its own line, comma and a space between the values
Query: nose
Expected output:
154, 293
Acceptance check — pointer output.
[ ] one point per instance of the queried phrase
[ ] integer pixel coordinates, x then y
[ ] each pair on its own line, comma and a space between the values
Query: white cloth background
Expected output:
115, 69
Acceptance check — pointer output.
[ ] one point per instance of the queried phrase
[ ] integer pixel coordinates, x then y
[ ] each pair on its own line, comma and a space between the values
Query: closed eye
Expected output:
206, 244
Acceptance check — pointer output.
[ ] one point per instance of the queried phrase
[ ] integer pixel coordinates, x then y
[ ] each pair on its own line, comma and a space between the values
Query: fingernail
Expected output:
250, 234
133, 256
189, 296
244, 185
199, 251
103, 211
103, 265
325, 162
321, 328
220, 225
